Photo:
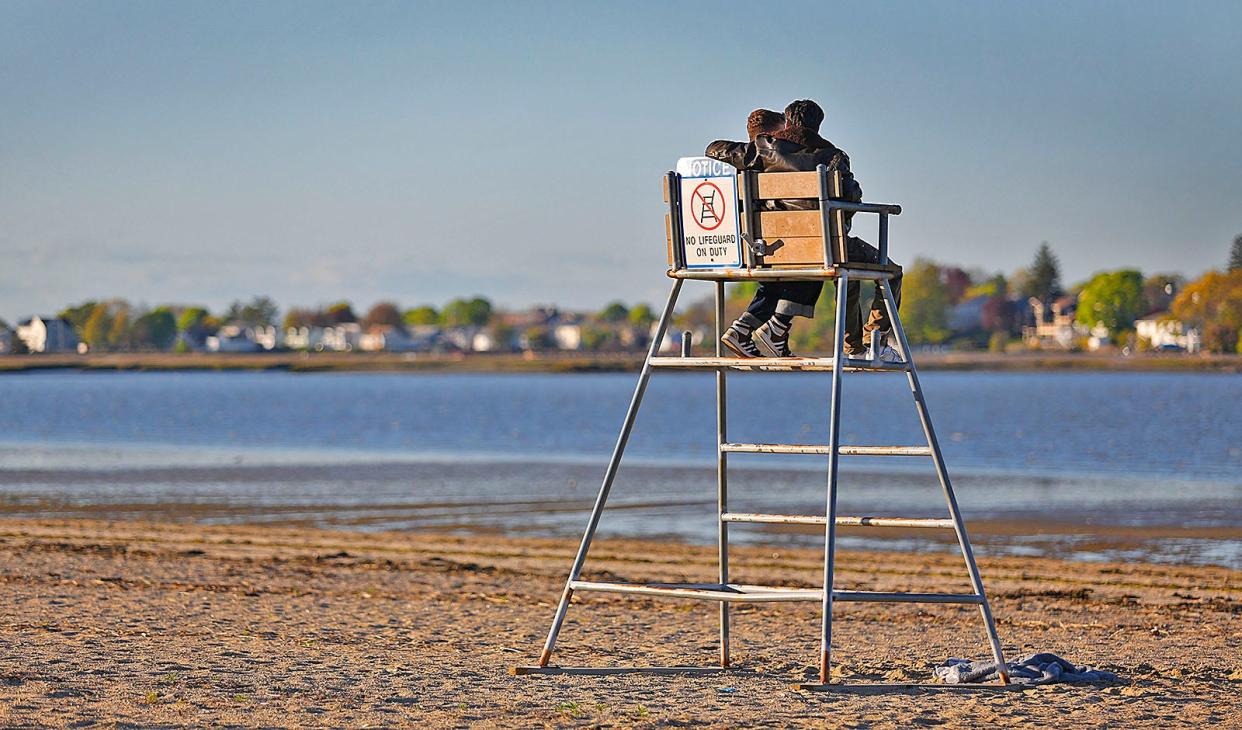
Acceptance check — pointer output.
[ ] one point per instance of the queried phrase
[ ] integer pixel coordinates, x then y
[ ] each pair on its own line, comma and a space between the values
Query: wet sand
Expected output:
143, 624
1199, 527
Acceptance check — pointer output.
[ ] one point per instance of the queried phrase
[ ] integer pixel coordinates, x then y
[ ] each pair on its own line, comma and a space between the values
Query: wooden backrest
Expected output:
792, 238
786, 185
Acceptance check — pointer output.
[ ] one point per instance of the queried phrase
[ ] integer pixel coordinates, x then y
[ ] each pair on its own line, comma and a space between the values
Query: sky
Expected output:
201, 152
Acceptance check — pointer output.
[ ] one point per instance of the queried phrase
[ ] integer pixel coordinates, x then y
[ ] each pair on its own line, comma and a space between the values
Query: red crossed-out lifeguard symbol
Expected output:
707, 205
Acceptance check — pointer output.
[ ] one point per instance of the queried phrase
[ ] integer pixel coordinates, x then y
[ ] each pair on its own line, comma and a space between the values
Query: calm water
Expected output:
524, 452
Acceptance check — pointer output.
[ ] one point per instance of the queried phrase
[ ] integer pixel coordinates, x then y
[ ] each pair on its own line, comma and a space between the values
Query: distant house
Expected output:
1164, 332
241, 338
304, 338
538, 328
631, 336
484, 341
563, 328
1055, 325
373, 339
426, 337
672, 339
266, 337
233, 338
459, 338
1099, 337
387, 338
47, 334
491, 340
967, 315
342, 337
567, 336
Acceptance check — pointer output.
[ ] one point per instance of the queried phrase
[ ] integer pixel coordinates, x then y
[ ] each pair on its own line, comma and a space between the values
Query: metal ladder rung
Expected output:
847, 521
735, 593
886, 597
824, 449
731, 593
766, 364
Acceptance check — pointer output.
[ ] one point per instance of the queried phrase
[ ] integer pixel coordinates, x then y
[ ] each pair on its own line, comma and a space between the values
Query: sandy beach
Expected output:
140, 624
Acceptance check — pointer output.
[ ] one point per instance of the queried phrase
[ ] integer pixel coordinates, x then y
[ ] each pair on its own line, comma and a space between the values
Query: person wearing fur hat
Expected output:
763, 329
764, 122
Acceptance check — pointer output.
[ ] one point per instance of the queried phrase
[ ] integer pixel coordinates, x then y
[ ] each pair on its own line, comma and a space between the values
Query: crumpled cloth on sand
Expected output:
1043, 668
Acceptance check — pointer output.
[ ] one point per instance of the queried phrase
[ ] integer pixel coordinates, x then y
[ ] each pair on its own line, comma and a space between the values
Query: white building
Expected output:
47, 334
304, 338
1164, 332
342, 337
484, 341
567, 336
387, 338
1057, 327
266, 337
1099, 337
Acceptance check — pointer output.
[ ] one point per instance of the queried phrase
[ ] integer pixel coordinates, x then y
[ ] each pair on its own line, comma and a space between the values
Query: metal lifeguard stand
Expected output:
758, 241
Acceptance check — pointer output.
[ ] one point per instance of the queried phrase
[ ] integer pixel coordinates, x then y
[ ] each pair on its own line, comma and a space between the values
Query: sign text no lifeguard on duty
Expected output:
709, 215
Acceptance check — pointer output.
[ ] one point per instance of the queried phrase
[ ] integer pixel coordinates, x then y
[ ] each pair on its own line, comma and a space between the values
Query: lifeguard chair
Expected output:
723, 226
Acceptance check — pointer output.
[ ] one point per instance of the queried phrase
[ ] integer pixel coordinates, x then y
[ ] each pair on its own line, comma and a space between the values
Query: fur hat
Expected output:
763, 121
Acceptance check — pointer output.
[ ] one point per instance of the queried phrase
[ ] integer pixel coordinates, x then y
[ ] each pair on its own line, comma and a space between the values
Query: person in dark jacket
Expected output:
764, 328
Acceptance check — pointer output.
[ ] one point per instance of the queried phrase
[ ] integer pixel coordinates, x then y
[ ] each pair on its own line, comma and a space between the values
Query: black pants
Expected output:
797, 299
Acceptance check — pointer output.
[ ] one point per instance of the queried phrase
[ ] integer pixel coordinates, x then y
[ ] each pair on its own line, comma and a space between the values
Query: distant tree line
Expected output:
475, 311
931, 291
1113, 299
115, 325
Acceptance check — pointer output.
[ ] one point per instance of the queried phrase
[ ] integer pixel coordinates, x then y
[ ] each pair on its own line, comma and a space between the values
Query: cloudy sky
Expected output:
204, 151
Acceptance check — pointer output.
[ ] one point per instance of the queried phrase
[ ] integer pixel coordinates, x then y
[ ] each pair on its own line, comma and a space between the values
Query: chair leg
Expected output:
959, 526
834, 441
722, 476
610, 475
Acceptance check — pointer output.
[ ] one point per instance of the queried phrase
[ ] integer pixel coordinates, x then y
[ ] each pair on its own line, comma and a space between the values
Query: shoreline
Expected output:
149, 623
1038, 537
480, 497
301, 362
1088, 516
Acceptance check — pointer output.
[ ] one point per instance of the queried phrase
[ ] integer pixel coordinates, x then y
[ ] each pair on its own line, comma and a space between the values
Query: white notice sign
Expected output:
709, 216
